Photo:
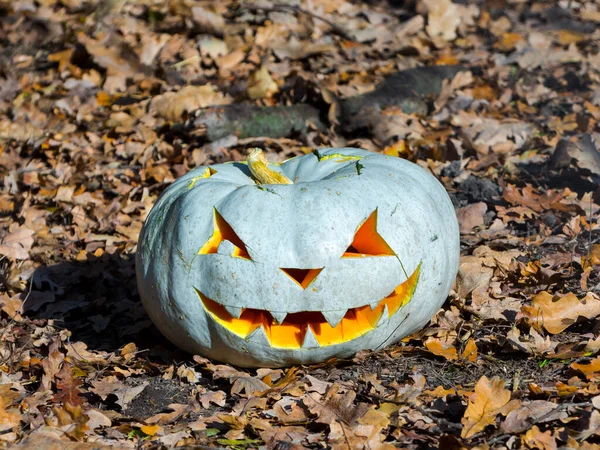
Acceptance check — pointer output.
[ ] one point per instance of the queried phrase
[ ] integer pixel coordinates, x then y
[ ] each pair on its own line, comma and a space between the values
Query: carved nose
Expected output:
302, 277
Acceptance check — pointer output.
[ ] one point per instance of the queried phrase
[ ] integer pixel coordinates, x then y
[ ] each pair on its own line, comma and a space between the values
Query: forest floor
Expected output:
104, 104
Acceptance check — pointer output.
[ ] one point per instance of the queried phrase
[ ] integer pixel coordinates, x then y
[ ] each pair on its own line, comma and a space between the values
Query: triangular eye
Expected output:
223, 232
367, 241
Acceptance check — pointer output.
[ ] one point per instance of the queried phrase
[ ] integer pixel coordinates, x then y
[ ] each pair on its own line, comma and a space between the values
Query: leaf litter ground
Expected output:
104, 104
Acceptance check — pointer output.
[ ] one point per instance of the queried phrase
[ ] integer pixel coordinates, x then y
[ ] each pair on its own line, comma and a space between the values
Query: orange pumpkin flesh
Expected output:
290, 334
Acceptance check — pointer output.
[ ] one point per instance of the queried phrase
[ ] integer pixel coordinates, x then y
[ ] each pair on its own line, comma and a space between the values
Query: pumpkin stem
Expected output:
259, 167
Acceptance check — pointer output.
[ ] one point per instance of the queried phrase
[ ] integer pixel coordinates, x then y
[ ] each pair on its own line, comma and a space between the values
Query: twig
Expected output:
286, 8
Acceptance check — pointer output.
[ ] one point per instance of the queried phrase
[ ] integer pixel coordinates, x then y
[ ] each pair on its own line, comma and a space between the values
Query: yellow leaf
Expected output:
398, 149
566, 37
439, 348
470, 351
534, 438
446, 59
564, 390
484, 405
556, 314
8, 418
508, 42
261, 84
150, 430
592, 258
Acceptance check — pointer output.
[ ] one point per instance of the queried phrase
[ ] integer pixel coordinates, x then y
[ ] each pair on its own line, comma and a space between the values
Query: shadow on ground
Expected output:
98, 302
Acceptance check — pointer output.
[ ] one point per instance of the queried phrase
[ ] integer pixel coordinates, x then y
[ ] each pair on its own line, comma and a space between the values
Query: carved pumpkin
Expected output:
322, 255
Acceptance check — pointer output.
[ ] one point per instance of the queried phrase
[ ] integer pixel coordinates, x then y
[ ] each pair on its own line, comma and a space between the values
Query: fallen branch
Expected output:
408, 90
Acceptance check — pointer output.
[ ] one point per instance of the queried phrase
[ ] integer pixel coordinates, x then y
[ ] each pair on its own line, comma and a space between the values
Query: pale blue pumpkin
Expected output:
357, 252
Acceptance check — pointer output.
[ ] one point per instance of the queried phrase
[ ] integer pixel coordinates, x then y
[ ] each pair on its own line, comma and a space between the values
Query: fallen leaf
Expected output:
534, 438
590, 369
17, 243
261, 84
470, 351
537, 411
557, 313
68, 387
39, 441
9, 418
535, 343
471, 216
150, 430
484, 405
175, 105
439, 348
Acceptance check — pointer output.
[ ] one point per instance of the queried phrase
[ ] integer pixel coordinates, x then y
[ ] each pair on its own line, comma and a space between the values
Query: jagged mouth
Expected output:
309, 329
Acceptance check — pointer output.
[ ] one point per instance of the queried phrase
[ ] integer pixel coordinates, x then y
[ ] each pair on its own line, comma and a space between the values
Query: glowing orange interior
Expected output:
223, 232
367, 241
290, 333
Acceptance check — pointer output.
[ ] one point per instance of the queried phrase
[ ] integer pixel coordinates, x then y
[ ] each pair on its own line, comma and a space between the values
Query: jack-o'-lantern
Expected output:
322, 255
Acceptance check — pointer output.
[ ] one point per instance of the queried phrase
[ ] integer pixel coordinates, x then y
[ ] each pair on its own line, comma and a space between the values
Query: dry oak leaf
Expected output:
556, 313
174, 105
590, 369
17, 243
39, 441
537, 411
535, 439
478, 269
592, 258
439, 348
535, 343
444, 17
471, 216
9, 418
470, 351
485, 403
261, 84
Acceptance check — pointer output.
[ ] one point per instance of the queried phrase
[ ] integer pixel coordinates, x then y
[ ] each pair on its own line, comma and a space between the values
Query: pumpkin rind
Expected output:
307, 225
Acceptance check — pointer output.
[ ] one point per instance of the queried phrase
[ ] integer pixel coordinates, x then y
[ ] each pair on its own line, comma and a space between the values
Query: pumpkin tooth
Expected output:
259, 336
278, 316
333, 318
375, 304
310, 341
384, 315
234, 311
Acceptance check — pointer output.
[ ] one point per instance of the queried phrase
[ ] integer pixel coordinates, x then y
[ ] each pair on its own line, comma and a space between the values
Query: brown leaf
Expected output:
39, 441
534, 343
9, 418
484, 405
17, 243
216, 397
590, 369
557, 313
592, 258
111, 385
535, 439
248, 385
471, 216
175, 105
261, 84
537, 411
478, 269
68, 387
290, 410
439, 348
444, 18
